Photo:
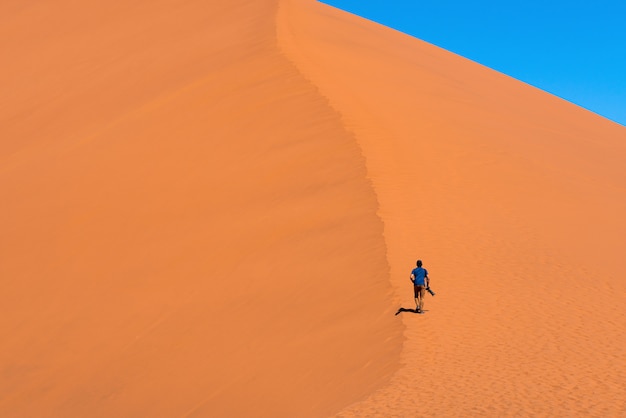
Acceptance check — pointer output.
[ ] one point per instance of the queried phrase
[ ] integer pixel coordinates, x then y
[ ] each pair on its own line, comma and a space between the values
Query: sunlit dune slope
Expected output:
516, 202
187, 228
212, 208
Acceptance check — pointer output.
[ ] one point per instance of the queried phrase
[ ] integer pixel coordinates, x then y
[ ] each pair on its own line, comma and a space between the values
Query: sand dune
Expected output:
211, 209
187, 228
515, 200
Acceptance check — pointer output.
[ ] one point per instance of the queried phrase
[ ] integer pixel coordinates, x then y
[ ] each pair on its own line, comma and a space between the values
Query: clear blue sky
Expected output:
574, 49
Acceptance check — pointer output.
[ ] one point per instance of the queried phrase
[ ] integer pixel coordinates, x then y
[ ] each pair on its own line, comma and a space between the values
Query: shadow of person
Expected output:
406, 310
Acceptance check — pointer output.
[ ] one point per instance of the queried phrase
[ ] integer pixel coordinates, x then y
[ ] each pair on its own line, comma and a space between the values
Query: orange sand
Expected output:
211, 209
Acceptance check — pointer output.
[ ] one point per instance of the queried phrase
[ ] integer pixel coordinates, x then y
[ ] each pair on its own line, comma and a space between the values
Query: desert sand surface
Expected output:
212, 209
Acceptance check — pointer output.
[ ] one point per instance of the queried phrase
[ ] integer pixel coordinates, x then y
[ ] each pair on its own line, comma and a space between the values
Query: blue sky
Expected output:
574, 49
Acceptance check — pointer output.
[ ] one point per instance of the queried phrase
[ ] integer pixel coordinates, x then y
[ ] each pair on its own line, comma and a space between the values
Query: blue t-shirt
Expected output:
420, 274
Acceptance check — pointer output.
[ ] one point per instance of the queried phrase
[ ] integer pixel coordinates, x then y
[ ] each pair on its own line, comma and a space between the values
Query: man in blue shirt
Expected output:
419, 277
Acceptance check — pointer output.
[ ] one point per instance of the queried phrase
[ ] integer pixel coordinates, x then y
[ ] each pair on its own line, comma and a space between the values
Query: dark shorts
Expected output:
419, 290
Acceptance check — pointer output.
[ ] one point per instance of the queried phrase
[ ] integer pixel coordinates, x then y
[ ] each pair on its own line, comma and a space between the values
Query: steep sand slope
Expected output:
515, 200
186, 226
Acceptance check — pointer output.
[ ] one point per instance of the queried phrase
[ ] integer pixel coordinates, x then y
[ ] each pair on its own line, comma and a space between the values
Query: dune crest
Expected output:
513, 198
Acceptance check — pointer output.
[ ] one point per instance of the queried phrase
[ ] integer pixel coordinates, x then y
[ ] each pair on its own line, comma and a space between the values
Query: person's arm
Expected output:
412, 278
427, 280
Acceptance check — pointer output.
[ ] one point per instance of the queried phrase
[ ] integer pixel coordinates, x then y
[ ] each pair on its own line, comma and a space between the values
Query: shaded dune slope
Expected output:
187, 226
515, 200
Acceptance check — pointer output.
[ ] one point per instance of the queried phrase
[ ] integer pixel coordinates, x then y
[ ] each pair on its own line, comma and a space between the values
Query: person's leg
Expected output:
416, 291
422, 293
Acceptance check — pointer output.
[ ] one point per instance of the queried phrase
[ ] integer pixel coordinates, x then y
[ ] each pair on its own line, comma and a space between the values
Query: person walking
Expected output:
420, 280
